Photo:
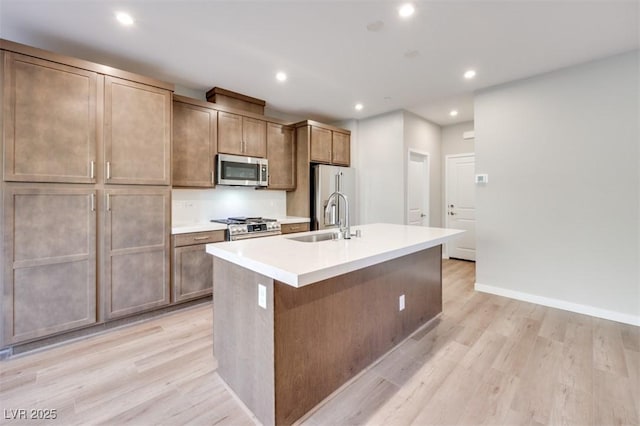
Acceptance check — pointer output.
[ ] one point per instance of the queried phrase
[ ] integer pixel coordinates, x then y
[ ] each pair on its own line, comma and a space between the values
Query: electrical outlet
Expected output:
262, 296
401, 303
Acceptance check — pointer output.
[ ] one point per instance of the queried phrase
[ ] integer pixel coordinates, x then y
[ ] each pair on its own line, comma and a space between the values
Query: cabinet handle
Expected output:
213, 177
200, 238
108, 170
93, 202
108, 202
92, 169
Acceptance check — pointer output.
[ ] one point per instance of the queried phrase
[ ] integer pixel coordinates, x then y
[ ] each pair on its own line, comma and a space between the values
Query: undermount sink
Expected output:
314, 238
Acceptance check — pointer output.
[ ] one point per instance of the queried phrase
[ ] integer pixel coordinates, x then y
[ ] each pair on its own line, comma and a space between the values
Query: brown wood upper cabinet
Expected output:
341, 149
49, 121
282, 157
137, 136
329, 146
320, 144
194, 145
241, 135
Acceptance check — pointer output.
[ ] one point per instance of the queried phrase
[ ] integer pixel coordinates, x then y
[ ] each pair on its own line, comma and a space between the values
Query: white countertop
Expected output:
185, 228
301, 263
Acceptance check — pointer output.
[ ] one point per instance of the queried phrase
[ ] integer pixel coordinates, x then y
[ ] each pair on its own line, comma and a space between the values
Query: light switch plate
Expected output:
262, 296
482, 178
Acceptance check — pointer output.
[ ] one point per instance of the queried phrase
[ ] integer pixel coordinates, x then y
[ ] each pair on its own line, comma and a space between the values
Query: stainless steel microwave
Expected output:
242, 171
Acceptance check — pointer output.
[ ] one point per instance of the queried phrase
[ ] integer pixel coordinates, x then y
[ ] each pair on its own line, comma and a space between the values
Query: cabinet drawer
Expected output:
289, 228
181, 240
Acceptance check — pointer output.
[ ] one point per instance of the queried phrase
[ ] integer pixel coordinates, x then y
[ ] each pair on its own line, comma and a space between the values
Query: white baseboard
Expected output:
560, 304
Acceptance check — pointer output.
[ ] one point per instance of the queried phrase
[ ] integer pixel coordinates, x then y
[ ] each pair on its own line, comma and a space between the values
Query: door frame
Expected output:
426, 201
445, 249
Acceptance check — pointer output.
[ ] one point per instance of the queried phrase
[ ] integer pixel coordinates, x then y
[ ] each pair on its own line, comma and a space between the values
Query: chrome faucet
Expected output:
346, 232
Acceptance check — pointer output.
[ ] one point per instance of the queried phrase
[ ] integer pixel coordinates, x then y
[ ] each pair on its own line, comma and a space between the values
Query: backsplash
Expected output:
202, 205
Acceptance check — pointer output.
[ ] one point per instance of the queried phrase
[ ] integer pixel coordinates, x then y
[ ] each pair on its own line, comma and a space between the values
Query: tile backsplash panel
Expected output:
202, 205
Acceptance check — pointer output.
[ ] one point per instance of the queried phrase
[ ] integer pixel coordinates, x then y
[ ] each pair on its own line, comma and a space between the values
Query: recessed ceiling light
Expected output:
470, 74
124, 18
359, 107
280, 76
406, 10
453, 112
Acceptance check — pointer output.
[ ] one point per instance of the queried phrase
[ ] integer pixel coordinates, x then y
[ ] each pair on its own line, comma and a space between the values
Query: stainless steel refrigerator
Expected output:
325, 180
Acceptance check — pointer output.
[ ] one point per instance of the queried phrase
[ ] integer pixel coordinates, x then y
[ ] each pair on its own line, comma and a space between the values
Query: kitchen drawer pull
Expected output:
201, 238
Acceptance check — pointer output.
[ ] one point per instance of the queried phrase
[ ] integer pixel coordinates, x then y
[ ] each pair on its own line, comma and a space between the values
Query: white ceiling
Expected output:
332, 59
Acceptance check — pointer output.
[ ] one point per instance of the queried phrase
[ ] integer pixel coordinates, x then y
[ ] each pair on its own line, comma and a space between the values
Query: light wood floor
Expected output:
487, 360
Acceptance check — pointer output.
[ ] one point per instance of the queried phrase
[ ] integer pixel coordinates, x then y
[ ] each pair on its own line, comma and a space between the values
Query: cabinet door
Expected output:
192, 272
320, 145
137, 135
50, 261
341, 149
136, 264
290, 228
254, 135
49, 121
194, 145
229, 133
282, 157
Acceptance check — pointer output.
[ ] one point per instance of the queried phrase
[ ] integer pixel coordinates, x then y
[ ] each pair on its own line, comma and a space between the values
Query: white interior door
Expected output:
461, 205
418, 189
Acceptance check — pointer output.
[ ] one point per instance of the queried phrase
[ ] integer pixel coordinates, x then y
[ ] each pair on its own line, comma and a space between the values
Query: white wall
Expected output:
452, 141
559, 221
424, 136
191, 93
202, 205
379, 161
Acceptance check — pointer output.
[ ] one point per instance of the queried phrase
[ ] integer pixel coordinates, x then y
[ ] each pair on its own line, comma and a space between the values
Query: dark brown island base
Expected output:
284, 346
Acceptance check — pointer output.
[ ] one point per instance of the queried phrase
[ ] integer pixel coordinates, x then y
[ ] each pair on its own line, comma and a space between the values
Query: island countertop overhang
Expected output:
302, 263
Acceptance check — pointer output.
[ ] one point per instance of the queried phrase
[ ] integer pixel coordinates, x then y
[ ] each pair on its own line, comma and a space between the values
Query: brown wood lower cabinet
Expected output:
290, 228
136, 250
49, 260
192, 267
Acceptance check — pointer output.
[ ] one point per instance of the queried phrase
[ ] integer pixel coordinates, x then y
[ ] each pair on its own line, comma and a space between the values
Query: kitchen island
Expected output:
294, 320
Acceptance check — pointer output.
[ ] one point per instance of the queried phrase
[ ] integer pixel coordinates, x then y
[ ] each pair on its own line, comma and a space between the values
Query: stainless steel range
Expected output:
241, 228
